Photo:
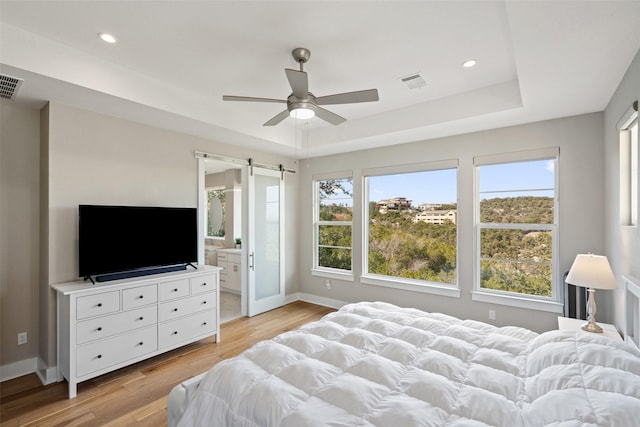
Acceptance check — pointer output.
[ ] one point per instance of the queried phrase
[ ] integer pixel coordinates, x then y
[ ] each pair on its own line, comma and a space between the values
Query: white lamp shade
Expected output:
592, 271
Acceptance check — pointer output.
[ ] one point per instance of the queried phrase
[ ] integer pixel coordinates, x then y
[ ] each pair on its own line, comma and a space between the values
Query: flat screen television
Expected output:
127, 241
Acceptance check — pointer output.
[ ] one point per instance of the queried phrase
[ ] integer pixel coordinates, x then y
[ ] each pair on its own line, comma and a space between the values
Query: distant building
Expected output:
429, 206
396, 204
436, 216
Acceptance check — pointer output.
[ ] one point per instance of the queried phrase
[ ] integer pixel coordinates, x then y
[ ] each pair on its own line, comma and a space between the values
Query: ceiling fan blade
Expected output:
277, 119
369, 95
299, 82
252, 99
328, 116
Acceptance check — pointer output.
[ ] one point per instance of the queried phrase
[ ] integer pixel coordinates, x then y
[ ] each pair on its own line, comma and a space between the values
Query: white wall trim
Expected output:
518, 301
315, 299
47, 374
18, 369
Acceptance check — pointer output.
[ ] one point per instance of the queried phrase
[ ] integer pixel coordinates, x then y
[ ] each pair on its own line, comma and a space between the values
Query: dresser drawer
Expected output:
137, 297
102, 354
174, 289
179, 308
234, 258
98, 304
174, 332
203, 284
106, 326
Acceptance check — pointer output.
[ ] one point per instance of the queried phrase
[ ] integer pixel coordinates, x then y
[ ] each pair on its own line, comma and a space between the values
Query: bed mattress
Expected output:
375, 364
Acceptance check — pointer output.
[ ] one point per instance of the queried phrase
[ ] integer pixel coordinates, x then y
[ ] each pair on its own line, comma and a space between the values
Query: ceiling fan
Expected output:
302, 104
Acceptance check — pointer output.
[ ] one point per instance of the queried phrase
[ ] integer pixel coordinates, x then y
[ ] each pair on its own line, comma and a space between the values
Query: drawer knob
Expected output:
99, 304
204, 324
175, 333
175, 289
99, 356
141, 343
99, 328
140, 318
204, 284
204, 302
141, 297
175, 309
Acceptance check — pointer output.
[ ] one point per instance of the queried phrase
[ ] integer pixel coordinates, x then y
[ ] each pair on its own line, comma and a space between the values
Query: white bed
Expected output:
375, 364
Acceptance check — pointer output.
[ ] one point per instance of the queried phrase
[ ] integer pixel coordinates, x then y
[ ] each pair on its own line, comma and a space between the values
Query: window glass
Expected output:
411, 225
334, 223
517, 227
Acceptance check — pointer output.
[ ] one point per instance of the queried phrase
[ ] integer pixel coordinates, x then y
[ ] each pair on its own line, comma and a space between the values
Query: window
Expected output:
333, 224
411, 226
215, 212
628, 127
516, 223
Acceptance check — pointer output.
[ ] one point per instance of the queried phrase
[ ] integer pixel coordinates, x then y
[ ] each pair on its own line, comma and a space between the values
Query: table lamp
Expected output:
592, 272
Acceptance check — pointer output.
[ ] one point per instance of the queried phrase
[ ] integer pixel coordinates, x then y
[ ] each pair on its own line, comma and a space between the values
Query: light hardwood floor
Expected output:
137, 395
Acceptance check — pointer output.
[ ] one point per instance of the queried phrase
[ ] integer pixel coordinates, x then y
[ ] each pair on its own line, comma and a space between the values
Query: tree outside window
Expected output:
517, 227
411, 226
334, 218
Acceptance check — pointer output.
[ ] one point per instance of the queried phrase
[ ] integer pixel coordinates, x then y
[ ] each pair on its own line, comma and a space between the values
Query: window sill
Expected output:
333, 274
517, 301
412, 285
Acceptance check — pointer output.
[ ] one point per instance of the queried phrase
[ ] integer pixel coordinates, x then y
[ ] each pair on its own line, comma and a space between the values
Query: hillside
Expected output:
513, 260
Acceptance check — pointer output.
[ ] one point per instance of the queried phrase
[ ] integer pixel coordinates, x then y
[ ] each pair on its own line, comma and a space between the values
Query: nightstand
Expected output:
568, 324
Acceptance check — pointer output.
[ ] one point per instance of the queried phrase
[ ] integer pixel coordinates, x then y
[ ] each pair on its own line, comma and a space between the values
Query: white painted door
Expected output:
265, 239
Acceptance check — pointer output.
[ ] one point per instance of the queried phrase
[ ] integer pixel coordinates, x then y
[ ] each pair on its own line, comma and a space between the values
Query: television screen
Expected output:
114, 239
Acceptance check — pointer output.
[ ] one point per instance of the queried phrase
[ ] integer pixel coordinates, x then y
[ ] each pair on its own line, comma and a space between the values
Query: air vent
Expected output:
414, 81
9, 86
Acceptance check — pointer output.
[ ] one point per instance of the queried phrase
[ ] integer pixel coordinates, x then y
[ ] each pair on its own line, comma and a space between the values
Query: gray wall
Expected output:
19, 235
623, 243
581, 227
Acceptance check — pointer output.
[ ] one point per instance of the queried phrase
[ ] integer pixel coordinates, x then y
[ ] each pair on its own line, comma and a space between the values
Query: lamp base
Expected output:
592, 327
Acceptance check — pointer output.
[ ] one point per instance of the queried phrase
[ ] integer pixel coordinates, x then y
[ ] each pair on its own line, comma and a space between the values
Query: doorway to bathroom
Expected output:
223, 232
241, 221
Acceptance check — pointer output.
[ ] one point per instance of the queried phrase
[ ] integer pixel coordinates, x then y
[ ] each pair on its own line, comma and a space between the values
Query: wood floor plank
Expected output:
137, 394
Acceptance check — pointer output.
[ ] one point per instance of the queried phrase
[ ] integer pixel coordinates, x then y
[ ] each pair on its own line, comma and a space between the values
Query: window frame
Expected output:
535, 302
316, 269
629, 150
416, 285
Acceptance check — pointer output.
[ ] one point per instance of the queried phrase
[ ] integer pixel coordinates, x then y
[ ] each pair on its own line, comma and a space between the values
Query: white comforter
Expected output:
375, 364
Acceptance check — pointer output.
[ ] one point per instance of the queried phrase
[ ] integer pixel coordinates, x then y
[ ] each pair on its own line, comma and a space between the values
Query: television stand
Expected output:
108, 326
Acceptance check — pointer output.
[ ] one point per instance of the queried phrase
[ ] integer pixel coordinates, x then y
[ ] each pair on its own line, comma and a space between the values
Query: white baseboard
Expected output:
47, 374
315, 299
18, 369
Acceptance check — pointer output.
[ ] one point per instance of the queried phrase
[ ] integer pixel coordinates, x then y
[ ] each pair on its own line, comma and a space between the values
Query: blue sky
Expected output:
440, 186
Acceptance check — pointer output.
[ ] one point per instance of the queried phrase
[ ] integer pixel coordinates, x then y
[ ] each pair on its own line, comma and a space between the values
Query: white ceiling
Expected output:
174, 61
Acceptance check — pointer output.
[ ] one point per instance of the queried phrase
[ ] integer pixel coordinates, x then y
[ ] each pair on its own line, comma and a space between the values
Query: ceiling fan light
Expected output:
107, 38
302, 113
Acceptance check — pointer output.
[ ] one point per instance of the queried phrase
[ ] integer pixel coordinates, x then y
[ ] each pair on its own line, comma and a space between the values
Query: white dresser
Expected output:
110, 325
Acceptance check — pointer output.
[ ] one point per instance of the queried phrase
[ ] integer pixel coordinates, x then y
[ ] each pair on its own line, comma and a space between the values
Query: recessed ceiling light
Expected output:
470, 63
106, 37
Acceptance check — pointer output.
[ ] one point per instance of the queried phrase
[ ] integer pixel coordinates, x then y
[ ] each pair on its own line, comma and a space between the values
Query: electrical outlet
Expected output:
492, 315
327, 283
22, 338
